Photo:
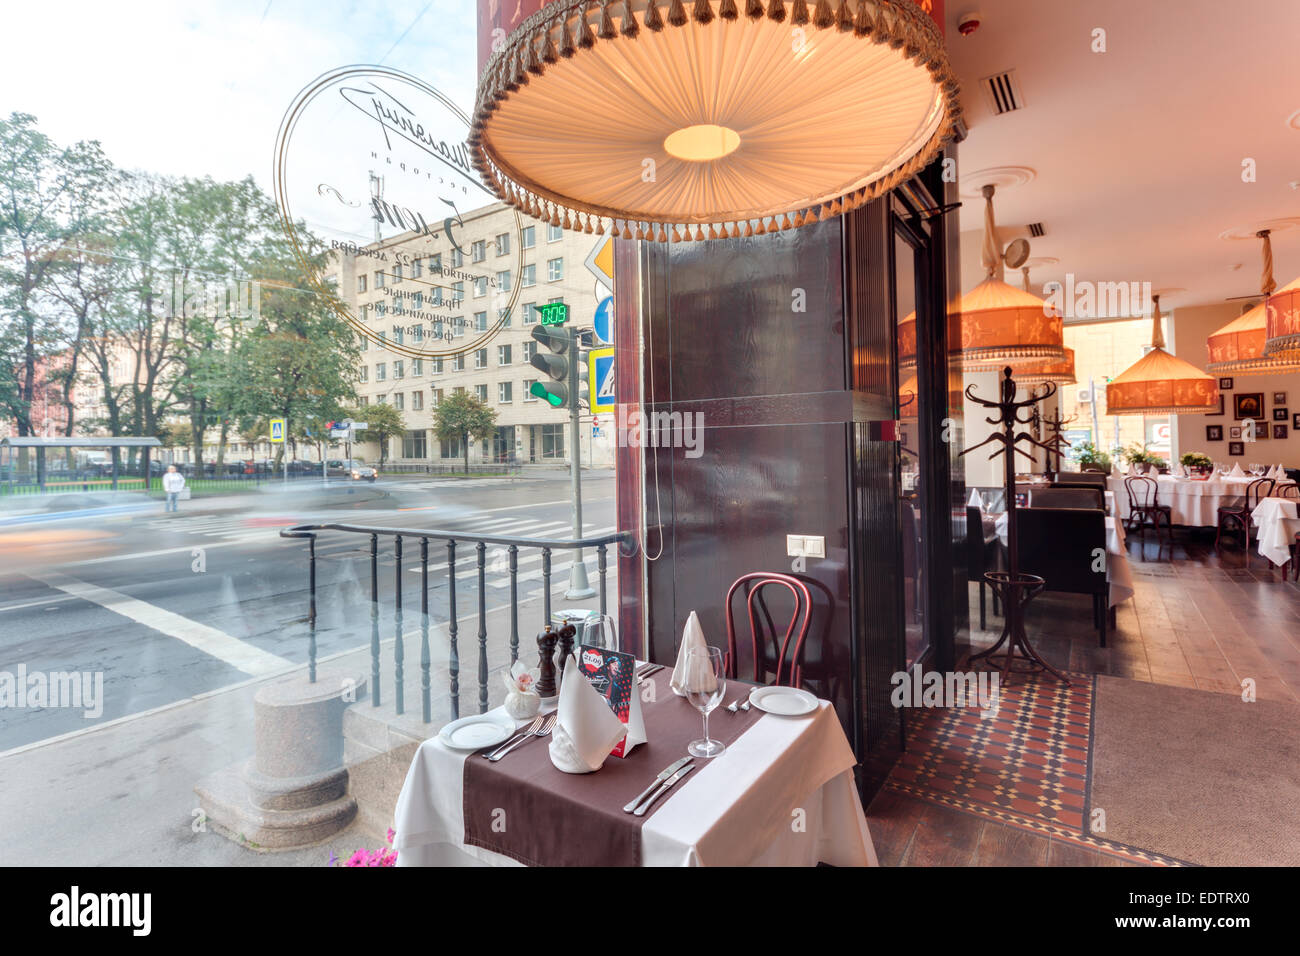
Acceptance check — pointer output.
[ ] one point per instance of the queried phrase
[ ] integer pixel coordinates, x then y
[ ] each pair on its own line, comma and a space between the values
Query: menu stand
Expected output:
1015, 588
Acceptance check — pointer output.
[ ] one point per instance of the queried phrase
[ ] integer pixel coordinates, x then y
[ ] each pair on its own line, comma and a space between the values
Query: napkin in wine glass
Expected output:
586, 730
692, 673
1236, 471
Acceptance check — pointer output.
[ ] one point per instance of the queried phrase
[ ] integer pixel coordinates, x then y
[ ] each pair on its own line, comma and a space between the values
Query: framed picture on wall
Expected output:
1236, 449
1225, 384
1279, 414
1279, 398
1279, 431
1214, 433
1261, 432
1248, 405
1221, 405
1234, 432
1295, 421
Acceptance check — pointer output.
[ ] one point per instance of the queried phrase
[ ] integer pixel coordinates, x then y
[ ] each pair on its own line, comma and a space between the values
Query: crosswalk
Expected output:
212, 526
445, 483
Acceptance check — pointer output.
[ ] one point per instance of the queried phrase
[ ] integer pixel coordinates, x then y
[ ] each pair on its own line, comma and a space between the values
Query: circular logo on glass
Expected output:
372, 169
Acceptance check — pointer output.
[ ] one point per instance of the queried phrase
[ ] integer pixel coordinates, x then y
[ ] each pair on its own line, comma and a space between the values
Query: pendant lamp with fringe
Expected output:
1160, 383
1239, 348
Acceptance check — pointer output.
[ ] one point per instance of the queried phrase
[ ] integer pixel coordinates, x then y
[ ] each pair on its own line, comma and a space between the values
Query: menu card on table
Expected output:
613, 675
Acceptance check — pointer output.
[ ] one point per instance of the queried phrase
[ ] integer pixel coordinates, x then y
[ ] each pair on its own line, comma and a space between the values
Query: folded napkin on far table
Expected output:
1236, 471
691, 673
1132, 470
585, 728
975, 500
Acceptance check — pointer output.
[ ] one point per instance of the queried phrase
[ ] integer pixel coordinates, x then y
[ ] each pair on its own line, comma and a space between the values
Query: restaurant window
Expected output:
381, 371
503, 243
505, 394
478, 250
415, 444
503, 355
554, 233
480, 358
361, 283
554, 270
552, 440
480, 392
417, 401
529, 237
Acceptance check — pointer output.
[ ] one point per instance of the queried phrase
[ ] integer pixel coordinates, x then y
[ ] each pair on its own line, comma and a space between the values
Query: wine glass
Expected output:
705, 685
598, 631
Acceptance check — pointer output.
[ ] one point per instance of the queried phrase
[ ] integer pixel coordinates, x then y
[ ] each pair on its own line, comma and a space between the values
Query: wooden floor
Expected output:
1197, 619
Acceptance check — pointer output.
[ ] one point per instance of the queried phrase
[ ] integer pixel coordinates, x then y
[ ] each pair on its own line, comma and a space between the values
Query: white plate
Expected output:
477, 732
785, 701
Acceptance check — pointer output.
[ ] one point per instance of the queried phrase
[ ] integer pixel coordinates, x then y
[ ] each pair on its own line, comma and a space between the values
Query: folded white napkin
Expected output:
1115, 469
688, 674
1132, 469
1236, 471
585, 729
975, 500
1280, 472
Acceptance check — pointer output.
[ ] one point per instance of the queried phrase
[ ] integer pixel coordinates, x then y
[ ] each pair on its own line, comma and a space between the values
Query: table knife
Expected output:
667, 772
663, 788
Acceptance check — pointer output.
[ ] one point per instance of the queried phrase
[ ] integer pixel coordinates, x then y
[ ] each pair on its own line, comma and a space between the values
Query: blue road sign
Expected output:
605, 321
601, 364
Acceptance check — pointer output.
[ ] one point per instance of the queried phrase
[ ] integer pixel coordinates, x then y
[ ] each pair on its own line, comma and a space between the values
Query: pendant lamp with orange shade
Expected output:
1160, 383
1240, 347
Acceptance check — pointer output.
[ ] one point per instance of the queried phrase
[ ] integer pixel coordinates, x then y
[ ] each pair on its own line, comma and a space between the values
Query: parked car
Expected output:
362, 472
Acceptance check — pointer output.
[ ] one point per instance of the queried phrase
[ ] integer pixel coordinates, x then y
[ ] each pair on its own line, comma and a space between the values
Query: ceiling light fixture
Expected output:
1239, 347
1160, 383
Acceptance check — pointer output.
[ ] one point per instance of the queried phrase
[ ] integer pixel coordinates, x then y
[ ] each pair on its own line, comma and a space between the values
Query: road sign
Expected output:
600, 261
553, 313
604, 322
277, 430
601, 364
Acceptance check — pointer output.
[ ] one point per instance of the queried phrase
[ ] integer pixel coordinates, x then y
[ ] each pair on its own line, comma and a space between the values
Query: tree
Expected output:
384, 422
462, 416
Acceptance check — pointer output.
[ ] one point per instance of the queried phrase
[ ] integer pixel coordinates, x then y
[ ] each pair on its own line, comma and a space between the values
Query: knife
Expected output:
663, 788
667, 772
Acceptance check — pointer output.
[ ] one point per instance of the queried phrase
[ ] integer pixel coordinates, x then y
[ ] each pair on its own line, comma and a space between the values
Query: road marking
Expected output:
209, 640
53, 600
165, 551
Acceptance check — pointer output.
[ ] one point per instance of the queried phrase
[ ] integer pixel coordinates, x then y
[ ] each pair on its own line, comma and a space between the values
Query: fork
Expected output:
542, 731
531, 728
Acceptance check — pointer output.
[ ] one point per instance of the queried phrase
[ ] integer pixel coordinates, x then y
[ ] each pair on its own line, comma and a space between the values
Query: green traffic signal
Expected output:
553, 395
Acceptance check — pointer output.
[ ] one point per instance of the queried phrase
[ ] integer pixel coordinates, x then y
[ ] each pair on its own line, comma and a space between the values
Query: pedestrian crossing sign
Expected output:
277, 430
601, 365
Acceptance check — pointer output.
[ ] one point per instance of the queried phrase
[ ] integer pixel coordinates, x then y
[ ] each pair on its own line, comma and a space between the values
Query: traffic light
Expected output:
556, 365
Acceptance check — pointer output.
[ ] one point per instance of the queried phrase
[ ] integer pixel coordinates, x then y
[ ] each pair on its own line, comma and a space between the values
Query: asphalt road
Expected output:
169, 606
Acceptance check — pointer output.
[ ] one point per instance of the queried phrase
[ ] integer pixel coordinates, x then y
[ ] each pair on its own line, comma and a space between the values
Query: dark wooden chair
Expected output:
981, 556
1060, 545
1145, 509
763, 632
1237, 511
1068, 496
1095, 469
1082, 478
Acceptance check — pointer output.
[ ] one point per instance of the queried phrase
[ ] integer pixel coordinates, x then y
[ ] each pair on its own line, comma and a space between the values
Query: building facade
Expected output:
444, 292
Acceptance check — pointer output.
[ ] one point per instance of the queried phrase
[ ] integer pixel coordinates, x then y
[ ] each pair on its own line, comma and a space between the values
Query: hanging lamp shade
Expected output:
1162, 384
1002, 325
1240, 347
671, 120
907, 337
1282, 324
1062, 373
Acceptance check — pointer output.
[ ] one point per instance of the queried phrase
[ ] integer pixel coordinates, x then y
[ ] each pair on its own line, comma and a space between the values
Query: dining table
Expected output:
1278, 524
782, 794
1119, 572
1193, 502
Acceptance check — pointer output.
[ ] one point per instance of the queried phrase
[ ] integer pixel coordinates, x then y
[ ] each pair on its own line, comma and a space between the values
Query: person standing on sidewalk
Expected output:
173, 484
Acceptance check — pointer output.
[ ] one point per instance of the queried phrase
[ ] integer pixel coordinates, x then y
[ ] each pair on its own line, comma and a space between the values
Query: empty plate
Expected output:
477, 732
785, 701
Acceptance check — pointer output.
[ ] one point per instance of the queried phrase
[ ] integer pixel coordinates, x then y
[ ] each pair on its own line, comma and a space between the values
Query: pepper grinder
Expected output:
546, 686
567, 633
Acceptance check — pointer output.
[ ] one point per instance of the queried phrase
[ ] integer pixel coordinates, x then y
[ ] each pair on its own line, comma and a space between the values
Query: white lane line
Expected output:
209, 640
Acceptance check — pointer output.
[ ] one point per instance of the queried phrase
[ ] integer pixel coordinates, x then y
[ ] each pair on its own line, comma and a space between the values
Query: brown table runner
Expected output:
525, 808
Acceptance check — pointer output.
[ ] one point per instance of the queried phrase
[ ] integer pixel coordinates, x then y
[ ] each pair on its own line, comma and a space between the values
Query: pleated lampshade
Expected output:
1062, 373
666, 120
1002, 325
1162, 384
907, 337
1241, 346
1282, 324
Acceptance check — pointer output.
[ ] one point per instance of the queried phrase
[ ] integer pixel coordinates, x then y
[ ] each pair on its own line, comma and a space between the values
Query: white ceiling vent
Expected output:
1002, 92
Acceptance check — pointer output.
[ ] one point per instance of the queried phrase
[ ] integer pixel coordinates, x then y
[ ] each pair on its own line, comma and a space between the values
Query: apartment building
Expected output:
428, 293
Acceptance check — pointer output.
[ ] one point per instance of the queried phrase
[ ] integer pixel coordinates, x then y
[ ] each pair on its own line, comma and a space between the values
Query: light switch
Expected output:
814, 547
794, 545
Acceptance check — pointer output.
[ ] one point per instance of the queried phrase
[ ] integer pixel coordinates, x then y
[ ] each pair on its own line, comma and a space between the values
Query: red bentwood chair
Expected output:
797, 629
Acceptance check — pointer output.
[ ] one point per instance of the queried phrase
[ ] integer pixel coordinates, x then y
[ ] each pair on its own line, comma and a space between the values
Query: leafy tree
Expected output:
384, 420
462, 416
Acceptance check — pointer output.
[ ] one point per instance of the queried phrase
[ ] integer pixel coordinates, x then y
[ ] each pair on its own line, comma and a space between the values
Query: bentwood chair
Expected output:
764, 635
1059, 496
1061, 546
1144, 507
1237, 511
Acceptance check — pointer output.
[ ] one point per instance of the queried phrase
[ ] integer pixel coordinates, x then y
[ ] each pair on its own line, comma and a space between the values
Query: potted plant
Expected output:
1087, 454
1197, 463
1136, 454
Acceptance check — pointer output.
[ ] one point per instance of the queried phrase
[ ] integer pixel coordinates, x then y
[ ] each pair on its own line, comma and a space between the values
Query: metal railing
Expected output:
451, 538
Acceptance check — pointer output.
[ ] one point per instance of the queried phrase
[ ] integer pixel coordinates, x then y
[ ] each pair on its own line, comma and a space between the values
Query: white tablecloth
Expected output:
1192, 503
1278, 525
733, 810
1119, 573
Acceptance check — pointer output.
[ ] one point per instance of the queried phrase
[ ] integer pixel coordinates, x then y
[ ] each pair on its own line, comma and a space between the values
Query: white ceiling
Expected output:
1137, 152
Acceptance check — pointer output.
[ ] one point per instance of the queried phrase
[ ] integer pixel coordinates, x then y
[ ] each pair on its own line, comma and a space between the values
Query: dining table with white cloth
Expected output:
1278, 524
1193, 502
783, 794
1119, 573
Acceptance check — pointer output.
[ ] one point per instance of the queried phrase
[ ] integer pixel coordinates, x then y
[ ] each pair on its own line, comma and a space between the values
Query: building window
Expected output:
449, 448
528, 390
417, 367
435, 365
528, 276
418, 299
480, 391
398, 333
435, 397
361, 283
417, 266
435, 296
529, 237
527, 351
399, 401
554, 270
415, 444
554, 233
365, 373
504, 393
478, 251
503, 316
552, 441
530, 313
503, 281
458, 292
480, 287
458, 362
397, 273
503, 355
381, 309
435, 262
365, 400
480, 358
457, 258
363, 341
480, 321
417, 401
381, 399
379, 280
381, 371
399, 369
503, 243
